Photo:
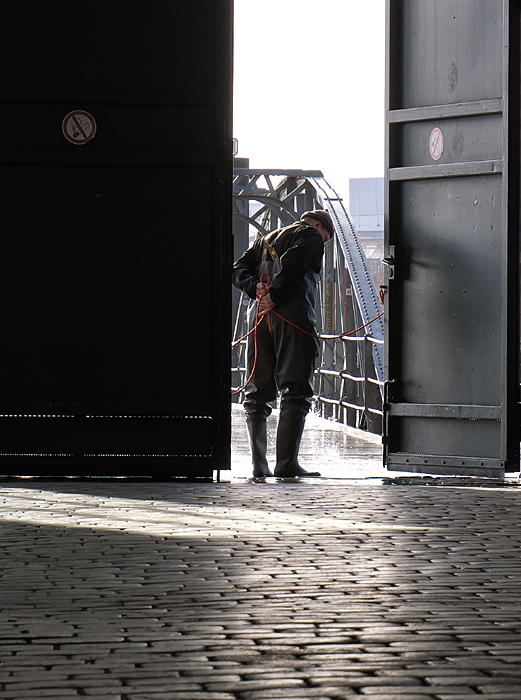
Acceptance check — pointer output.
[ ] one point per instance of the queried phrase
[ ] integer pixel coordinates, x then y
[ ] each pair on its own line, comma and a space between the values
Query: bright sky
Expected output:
309, 86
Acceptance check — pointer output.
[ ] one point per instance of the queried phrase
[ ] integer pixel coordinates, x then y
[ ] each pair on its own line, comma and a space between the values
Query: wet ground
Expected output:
326, 447
340, 454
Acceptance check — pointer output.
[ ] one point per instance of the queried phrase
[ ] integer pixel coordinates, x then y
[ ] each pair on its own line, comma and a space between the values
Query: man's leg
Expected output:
295, 363
257, 433
260, 391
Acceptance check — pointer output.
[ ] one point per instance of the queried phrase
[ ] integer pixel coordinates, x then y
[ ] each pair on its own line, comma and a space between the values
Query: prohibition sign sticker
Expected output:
79, 127
436, 143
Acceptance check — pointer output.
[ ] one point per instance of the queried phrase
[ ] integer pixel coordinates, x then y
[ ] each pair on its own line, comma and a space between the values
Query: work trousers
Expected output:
285, 361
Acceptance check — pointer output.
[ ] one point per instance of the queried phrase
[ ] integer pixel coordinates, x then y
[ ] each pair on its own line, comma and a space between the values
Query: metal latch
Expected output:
389, 261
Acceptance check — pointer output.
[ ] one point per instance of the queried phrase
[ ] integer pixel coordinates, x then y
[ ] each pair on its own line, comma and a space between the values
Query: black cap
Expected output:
324, 217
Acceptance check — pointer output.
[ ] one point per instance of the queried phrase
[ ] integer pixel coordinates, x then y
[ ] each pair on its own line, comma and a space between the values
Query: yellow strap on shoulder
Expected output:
269, 246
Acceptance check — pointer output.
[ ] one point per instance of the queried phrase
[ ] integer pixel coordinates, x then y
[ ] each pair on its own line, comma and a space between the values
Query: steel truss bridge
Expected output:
349, 375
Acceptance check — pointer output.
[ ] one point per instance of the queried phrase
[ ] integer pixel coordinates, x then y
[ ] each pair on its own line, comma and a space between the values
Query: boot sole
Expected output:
298, 476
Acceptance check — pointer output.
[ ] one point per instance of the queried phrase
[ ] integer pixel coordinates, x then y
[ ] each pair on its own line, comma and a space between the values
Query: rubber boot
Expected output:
289, 435
257, 431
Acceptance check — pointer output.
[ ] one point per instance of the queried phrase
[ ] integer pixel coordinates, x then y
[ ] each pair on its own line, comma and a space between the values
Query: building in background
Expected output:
366, 206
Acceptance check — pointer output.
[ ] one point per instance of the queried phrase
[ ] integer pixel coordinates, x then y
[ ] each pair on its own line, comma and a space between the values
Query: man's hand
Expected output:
264, 299
266, 304
262, 289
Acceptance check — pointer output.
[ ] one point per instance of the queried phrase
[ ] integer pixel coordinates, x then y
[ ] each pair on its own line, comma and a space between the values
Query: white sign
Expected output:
79, 127
436, 143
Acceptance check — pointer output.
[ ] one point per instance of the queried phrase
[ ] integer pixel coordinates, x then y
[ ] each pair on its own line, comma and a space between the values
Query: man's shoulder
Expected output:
302, 226
296, 233
309, 235
296, 229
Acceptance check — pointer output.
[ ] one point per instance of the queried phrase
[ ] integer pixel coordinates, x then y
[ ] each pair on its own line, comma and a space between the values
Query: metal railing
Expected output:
351, 399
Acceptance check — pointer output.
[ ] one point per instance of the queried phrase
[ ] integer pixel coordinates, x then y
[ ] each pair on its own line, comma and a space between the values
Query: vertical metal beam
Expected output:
512, 139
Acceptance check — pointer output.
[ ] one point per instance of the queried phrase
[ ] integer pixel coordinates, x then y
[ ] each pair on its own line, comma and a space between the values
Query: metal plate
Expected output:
452, 327
115, 338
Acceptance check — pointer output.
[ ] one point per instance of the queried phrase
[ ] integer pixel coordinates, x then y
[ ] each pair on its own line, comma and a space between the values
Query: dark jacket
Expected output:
293, 288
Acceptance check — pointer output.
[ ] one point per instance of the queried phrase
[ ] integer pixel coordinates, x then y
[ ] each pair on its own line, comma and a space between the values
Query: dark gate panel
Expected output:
115, 335
452, 226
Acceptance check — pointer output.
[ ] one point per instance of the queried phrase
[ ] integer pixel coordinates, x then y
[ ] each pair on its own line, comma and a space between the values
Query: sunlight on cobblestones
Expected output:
170, 519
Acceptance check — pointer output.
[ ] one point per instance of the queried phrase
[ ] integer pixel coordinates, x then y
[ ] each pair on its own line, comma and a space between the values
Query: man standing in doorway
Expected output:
280, 273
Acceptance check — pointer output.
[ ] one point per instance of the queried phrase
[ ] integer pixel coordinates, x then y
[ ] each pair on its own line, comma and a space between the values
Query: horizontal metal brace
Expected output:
339, 402
374, 411
44, 97
110, 158
437, 112
31, 408
423, 410
330, 372
346, 375
267, 200
425, 172
326, 399
446, 464
356, 338
274, 173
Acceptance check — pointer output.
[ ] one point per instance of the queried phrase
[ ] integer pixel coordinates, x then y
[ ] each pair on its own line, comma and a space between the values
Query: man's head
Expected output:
322, 221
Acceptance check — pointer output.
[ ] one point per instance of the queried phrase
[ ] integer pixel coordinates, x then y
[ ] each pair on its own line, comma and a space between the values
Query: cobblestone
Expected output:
125, 591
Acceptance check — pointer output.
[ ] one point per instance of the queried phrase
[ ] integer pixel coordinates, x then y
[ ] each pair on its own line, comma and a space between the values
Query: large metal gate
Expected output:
115, 162
452, 247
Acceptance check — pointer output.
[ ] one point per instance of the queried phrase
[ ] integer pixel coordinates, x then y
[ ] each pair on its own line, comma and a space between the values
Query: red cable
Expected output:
247, 334
343, 335
257, 324
259, 319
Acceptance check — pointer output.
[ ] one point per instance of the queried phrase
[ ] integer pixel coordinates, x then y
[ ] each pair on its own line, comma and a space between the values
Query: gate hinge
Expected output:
386, 393
385, 422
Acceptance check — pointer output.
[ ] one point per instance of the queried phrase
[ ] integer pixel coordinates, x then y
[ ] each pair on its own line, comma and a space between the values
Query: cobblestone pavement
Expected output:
242, 591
